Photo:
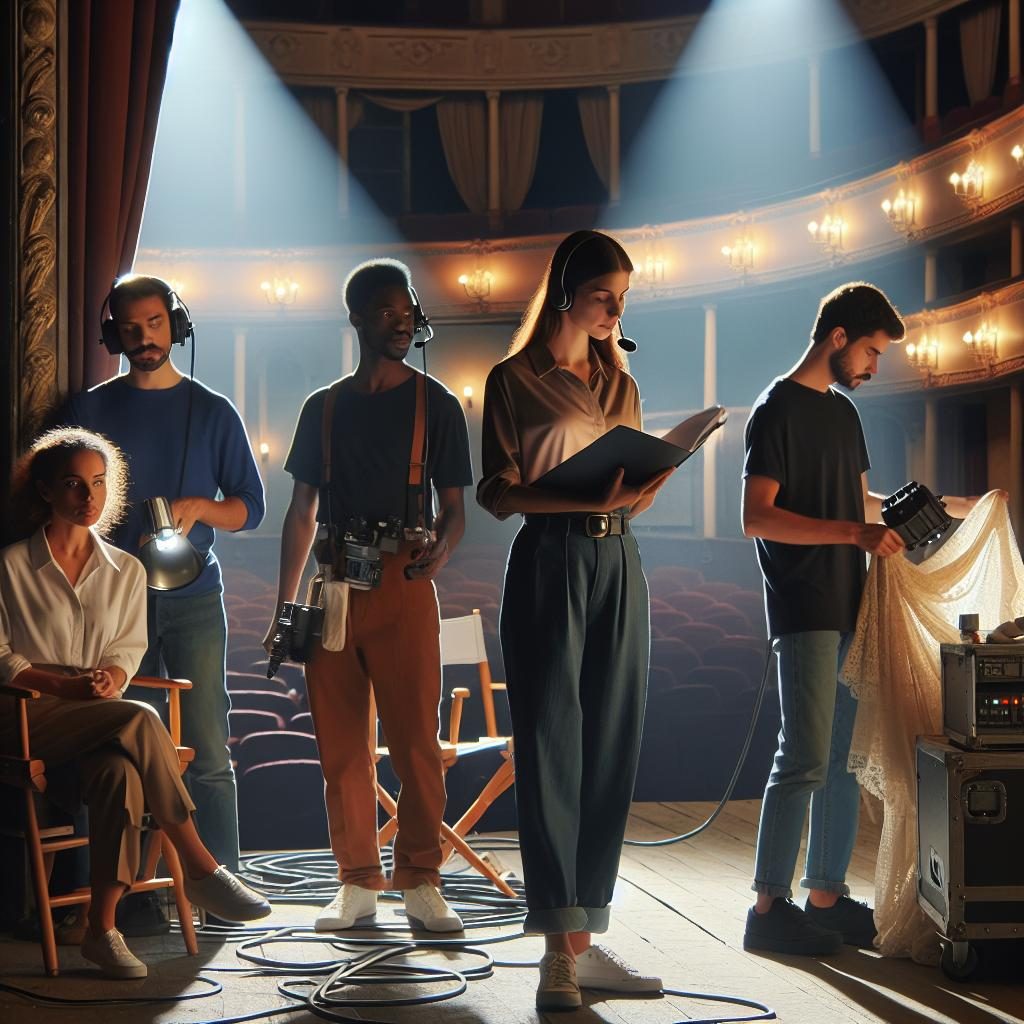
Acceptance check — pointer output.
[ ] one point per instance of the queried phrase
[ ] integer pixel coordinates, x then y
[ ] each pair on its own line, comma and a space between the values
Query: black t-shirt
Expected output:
812, 443
370, 447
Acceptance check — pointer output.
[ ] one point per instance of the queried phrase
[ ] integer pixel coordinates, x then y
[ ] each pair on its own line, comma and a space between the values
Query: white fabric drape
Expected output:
893, 669
594, 115
520, 114
979, 48
463, 126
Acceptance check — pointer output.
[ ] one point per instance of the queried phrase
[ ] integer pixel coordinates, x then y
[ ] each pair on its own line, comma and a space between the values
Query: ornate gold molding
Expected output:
36, 276
410, 57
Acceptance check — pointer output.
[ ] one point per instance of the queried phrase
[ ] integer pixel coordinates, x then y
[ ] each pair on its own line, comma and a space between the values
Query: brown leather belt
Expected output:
590, 524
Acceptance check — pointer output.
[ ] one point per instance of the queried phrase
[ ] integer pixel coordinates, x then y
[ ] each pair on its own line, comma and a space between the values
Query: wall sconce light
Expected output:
264, 452
280, 291
901, 211
467, 394
651, 271
924, 355
740, 255
1018, 154
477, 285
969, 186
829, 234
983, 343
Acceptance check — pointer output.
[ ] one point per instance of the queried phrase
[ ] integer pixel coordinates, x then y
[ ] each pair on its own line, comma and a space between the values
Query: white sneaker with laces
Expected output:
558, 988
226, 896
426, 908
351, 904
111, 955
598, 967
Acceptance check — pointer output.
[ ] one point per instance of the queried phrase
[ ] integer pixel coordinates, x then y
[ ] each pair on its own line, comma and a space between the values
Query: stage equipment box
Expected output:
970, 830
983, 694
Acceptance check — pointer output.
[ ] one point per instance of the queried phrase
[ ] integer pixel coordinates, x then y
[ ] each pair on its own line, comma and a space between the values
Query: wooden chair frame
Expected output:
454, 836
28, 774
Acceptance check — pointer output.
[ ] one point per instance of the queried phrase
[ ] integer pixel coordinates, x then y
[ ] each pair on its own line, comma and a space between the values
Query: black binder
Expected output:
640, 455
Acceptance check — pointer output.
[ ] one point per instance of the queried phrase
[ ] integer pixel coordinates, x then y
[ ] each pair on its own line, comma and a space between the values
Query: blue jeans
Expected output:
188, 640
818, 713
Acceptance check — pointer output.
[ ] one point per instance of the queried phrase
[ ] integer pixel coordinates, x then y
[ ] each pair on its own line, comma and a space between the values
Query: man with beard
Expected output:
358, 460
186, 443
807, 505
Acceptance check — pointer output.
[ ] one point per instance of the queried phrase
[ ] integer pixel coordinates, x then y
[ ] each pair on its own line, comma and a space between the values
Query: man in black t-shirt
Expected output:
806, 503
378, 416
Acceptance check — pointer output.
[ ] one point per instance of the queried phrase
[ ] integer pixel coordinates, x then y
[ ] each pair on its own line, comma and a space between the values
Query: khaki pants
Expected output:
393, 640
120, 760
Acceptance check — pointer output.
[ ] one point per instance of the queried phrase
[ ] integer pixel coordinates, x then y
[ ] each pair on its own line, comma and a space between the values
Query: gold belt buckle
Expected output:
603, 525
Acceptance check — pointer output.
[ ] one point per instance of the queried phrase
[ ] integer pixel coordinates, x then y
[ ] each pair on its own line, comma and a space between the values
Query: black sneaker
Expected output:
787, 929
142, 913
855, 921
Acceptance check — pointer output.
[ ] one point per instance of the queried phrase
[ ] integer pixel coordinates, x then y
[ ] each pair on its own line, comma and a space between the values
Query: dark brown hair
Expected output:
43, 463
590, 254
860, 309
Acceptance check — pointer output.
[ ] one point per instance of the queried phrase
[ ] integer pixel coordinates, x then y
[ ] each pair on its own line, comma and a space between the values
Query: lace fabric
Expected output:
892, 667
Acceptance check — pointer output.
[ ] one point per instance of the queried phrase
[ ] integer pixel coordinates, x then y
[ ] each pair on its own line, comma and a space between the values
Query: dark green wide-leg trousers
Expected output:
575, 637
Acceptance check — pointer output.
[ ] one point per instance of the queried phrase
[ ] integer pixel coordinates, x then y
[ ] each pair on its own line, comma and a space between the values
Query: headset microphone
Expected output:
420, 321
626, 344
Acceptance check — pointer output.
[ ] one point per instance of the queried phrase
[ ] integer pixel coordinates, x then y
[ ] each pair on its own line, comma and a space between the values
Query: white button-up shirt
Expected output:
97, 623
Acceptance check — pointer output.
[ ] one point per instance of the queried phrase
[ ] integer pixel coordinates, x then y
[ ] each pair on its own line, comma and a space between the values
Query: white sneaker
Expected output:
111, 955
226, 896
558, 988
598, 967
351, 904
426, 908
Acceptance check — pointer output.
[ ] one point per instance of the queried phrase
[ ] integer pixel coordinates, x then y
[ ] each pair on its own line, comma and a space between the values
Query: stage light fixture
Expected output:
168, 557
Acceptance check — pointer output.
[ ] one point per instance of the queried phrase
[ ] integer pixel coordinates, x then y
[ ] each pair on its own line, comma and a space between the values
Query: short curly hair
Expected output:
370, 277
43, 462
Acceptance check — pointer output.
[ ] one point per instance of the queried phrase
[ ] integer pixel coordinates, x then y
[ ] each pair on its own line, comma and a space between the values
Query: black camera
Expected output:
299, 626
363, 543
916, 515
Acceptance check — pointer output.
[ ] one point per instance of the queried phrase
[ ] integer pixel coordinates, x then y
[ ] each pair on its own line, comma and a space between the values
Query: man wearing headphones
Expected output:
186, 443
361, 475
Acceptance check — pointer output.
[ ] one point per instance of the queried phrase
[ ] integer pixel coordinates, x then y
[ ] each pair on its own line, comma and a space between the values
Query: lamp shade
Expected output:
169, 559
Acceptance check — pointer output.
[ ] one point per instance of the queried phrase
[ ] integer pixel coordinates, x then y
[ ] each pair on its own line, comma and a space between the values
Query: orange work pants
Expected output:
393, 645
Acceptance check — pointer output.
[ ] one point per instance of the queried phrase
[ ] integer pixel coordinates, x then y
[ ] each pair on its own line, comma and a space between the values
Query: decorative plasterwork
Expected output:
694, 269
1003, 306
408, 57
36, 278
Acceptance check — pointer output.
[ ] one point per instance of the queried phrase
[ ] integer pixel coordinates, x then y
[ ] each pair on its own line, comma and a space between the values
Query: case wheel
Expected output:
959, 960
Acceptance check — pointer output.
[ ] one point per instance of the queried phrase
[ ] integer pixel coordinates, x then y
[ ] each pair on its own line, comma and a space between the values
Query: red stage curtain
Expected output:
118, 53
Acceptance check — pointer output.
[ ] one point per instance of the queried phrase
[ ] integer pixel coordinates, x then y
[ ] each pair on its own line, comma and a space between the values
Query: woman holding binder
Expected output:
575, 632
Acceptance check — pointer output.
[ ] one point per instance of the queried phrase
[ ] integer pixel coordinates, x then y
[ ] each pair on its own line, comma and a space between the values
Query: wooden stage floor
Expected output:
678, 911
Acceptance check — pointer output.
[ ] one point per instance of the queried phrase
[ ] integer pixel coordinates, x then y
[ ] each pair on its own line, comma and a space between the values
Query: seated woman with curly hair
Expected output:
73, 626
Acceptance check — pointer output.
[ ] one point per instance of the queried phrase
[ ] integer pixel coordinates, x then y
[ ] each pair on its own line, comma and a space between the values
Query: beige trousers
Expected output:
118, 758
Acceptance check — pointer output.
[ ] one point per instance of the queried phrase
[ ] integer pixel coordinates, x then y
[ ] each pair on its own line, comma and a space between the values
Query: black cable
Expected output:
214, 988
191, 392
327, 988
755, 714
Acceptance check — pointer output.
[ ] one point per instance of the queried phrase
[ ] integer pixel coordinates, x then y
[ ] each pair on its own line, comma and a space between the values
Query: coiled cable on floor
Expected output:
754, 715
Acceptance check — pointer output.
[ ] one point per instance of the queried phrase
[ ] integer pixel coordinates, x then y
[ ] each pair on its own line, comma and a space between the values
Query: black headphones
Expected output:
181, 320
562, 298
